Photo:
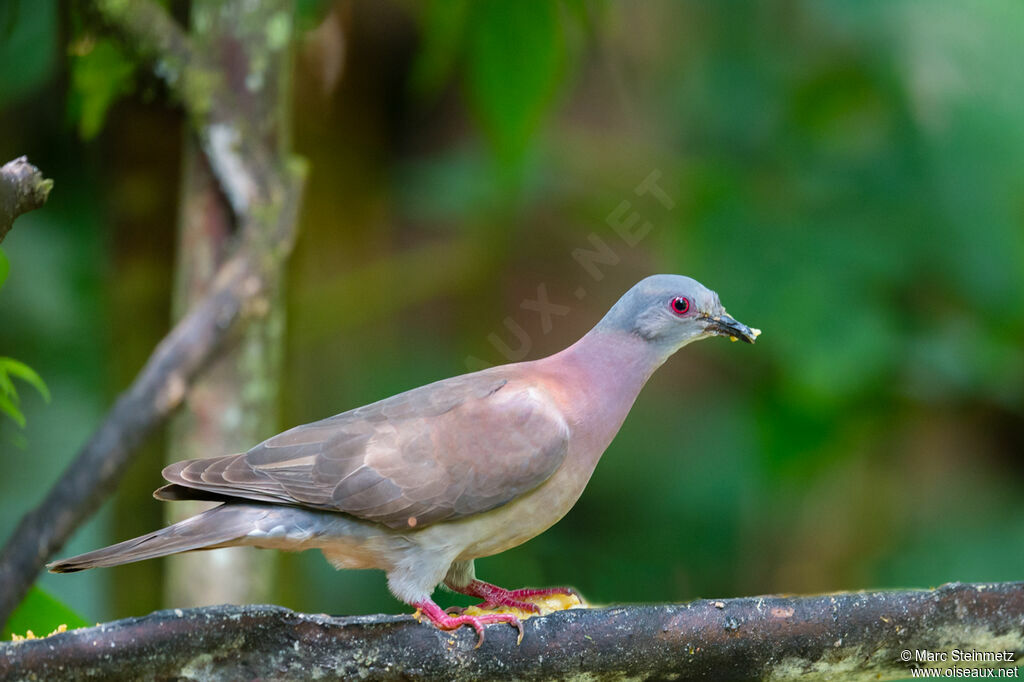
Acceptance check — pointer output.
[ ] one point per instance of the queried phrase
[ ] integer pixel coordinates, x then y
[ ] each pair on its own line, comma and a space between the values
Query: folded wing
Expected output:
443, 451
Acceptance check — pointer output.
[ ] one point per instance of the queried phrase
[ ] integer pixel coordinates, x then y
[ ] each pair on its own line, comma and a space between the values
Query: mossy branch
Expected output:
848, 636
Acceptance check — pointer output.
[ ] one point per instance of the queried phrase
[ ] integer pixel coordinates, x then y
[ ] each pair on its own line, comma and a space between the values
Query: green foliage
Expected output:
28, 39
100, 74
9, 400
847, 176
5, 268
514, 54
309, 13
443, 23
41, 613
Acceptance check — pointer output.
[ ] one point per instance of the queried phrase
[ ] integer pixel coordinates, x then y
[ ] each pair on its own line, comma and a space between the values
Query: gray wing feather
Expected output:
443, 451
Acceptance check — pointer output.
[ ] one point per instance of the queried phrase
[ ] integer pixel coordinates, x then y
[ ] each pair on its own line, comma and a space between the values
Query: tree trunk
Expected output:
233, 405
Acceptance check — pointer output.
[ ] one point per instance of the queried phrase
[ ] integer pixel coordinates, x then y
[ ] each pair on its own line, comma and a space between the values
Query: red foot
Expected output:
436, 615
499, 596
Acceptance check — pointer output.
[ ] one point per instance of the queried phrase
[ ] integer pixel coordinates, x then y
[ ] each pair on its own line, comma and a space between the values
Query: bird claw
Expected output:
494, 597
446, 621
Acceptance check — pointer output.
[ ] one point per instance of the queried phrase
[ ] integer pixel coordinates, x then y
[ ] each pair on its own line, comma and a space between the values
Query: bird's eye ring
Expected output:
680, 305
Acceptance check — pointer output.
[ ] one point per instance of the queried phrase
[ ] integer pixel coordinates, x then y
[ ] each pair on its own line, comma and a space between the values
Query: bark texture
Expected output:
849, 636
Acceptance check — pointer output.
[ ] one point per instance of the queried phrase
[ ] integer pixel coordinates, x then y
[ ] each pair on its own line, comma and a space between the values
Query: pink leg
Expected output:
499, 596
445, 621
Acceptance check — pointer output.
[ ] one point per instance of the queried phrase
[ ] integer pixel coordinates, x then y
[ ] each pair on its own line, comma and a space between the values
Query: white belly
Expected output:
514, 523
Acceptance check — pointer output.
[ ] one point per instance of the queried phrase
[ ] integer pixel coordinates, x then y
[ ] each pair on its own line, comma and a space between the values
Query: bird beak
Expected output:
724, 325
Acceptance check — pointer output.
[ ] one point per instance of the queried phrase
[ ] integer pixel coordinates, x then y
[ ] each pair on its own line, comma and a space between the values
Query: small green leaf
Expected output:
515, 54
26, 374
99, 77
5, 268
8, 407
41, 613
7, 386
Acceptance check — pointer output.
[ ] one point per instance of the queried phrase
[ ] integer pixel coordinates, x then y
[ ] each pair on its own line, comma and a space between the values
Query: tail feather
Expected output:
218, 527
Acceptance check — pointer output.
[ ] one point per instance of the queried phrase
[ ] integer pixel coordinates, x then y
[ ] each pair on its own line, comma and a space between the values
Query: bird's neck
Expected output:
601, 375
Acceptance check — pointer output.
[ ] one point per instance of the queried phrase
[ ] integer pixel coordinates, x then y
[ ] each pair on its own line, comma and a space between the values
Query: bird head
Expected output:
670, 311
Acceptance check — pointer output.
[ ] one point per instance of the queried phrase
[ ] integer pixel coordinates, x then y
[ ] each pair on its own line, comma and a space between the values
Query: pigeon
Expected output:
422, 483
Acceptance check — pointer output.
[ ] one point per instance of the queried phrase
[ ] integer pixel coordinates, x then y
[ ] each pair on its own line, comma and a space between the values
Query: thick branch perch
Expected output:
846, 636
265, 189
22, 189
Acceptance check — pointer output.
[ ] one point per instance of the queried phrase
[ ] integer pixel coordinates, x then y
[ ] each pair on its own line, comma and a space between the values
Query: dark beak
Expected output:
724, 325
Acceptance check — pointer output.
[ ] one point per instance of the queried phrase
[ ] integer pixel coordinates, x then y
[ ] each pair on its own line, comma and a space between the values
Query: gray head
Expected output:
670, 311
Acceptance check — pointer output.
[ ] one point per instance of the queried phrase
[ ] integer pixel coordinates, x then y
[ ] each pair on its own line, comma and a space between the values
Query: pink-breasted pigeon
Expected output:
422, 483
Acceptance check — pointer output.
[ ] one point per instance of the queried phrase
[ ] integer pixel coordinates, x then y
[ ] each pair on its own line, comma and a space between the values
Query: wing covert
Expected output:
443, 451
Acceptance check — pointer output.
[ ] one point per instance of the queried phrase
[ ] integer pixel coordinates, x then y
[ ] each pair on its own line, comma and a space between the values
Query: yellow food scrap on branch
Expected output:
31, 635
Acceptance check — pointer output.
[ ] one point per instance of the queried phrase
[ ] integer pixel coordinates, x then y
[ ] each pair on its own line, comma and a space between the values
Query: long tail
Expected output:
221, 526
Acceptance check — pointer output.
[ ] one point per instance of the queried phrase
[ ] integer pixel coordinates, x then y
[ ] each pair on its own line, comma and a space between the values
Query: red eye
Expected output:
680, 305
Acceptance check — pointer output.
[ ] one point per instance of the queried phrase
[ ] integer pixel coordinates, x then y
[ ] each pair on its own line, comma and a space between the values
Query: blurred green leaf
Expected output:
514, 53
7, 386
13, 367
100, 75
5, 268
9, 400
9, 406
28, 46
309, 13
41, 613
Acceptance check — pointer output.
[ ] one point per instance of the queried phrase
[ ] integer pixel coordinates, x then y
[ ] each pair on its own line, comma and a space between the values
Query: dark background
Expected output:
849, 176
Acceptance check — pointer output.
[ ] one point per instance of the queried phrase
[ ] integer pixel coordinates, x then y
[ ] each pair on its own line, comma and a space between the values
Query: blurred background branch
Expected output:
233, 404
847, 636
247, 153
22, 189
